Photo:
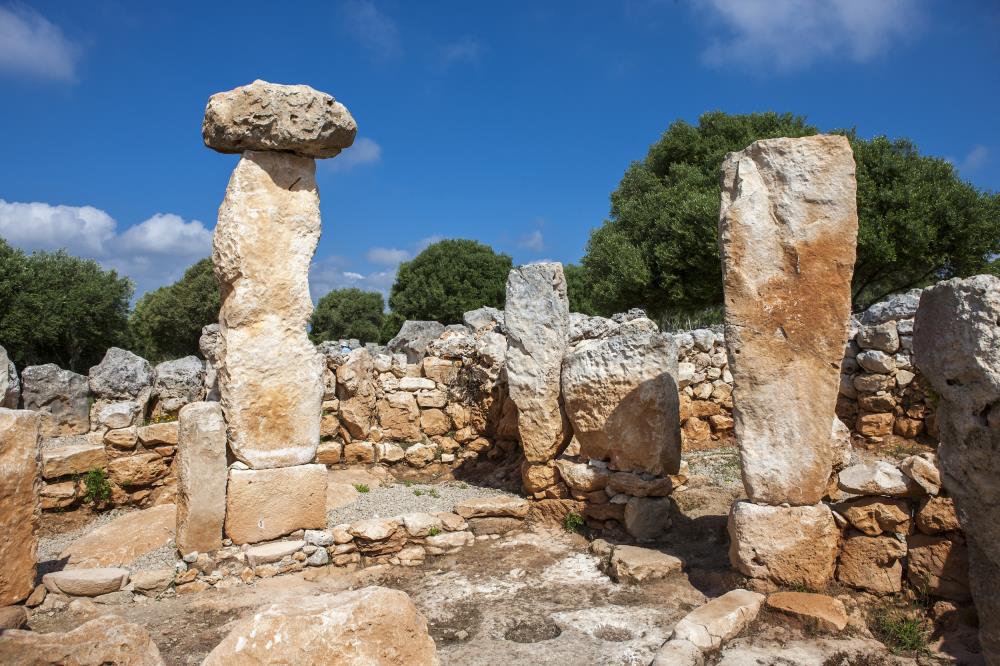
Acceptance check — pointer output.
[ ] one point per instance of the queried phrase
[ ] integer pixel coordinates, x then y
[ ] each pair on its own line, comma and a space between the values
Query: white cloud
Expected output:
534, 241
387, 256
976, 158
330, 273
364, 151
372, 28
793, 34
153, 253
467, 49
32, 45
426, 241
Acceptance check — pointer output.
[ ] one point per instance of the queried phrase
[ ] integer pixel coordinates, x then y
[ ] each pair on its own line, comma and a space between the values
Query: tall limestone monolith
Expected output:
956, 342
537, 322
201, 477
20, 511
787, 232
270, 375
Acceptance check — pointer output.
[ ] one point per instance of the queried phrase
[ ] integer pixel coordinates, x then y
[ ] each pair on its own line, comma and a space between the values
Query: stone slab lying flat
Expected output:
123, 540
86, 582
828, 613
272, 552
722, 618
72, 459
497, 507
632, 564
264, 504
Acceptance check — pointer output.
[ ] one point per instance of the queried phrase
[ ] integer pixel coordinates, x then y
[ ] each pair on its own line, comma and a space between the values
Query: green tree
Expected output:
348, 313
449, 278
56, 308
167, 322
578, 288
659, 248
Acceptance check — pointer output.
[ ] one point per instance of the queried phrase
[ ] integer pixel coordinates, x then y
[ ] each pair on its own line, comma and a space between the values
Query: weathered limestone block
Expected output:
10, 385
86, 582
826, 613
720, 619
270, 374
106, 640
208, 344
269, 503
69, 459
367, 627
956, 343
178, 383
787, 232
787, 545
60, 397
201, 477
872, 563
122, 541
137, 470
537, 323
620, 394
938, 565
413, 338
20, 511
271, 116
121, 375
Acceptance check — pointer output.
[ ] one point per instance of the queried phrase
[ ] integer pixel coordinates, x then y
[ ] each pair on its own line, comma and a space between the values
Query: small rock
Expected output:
877, 478
631, 564
709, 626
826, 612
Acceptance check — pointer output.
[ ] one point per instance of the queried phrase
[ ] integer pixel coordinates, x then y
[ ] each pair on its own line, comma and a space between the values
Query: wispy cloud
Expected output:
976, 159
153, 253
467, 49
372, 28
31, 45
336, 272
364, 151
788, 35
387, 256
533, 241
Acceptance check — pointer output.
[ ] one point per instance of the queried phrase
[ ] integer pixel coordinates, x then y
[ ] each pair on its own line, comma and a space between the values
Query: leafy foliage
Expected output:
56, 308
97, 488
573, 522
348, 313
578, 288
167, 322
659, 248
449, 278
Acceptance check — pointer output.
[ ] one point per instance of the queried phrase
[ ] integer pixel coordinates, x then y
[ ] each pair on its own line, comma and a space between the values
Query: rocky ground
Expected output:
535, 597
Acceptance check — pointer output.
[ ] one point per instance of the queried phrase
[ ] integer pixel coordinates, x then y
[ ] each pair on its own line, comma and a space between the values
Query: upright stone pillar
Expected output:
537, 323
20, 511
956, 342
270, 375
788, 229
201, 477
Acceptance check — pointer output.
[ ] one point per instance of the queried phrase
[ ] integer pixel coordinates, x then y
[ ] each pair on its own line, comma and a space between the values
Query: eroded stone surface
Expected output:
709, 626
121, 375
787, 231
106, 640
201, 477
123, 540
271, 116
268, 503
90, 582
60, 396
270, 374
20, 511
826, 612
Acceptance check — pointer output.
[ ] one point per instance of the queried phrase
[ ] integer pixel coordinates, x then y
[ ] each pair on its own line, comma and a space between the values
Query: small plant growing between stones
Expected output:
900, 630
434, 493
434, 531
361, 488
418, 492
573, 522
407, 483
98, 489
160, 418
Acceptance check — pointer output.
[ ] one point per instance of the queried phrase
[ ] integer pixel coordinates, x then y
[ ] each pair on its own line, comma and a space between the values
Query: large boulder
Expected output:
271, 116
956, 343
20, 511
620, 394
787, 231
106, 640
413, 338
537, 322
10, 385
270, 374
60, 396
201, 477
178, 383
122, 375
373, 626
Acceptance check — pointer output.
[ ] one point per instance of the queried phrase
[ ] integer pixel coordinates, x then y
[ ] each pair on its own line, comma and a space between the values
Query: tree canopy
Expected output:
167, 322
449, 278
659, 248
348, 313
56, 308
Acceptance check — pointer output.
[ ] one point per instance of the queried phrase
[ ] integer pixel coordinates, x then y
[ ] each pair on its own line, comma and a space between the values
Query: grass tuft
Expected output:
361, 488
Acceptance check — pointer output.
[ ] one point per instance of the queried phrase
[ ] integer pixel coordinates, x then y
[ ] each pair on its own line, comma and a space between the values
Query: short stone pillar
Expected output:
787, 233
20, 510
537, 323
201, 477
270, 375
956, 342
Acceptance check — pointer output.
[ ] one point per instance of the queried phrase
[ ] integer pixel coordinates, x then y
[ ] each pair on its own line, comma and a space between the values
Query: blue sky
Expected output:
509, 123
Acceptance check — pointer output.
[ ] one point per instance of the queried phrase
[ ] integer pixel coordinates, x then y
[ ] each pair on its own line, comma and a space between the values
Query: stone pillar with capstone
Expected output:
787, 234
270, 375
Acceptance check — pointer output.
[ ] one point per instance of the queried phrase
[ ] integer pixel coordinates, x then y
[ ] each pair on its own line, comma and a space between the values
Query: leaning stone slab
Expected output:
787, 545
270, 374
722, 618
956, 344
201, 477
620, 393
271, 116
60, 396
367, 627
787, 231
106, 640
20, 511
86, 582
265, 504
537, 322
499, 507
124, 540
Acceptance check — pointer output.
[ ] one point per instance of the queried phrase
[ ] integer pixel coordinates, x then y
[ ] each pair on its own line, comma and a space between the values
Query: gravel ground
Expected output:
384, 501
51, 545
722, 465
